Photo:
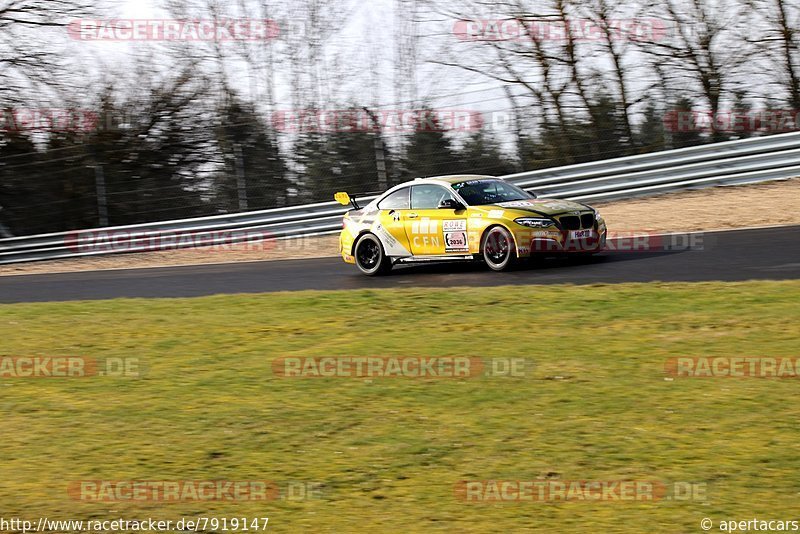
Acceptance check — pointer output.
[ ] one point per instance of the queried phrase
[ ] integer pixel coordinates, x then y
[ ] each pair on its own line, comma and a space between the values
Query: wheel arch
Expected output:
361, 233
503, 226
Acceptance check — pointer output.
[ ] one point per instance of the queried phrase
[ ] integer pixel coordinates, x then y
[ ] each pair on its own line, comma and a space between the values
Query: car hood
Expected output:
543, 206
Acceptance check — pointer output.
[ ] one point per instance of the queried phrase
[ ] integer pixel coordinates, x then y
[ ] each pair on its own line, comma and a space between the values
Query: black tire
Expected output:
370, 257
498, 250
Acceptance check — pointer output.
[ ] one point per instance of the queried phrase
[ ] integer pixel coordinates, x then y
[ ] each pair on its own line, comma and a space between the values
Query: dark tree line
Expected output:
187, 129
179, 155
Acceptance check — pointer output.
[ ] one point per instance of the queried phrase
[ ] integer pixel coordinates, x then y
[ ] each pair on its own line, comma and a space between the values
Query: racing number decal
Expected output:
455, 235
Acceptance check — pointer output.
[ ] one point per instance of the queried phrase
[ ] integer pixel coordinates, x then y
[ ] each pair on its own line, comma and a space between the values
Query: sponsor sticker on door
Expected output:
454, 225
455, 235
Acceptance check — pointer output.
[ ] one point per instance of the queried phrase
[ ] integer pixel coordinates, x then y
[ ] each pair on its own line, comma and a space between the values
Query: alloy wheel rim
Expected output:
497, 248
368, 254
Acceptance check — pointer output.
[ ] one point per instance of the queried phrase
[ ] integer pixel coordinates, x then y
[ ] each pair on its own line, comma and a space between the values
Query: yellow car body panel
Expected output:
443, 233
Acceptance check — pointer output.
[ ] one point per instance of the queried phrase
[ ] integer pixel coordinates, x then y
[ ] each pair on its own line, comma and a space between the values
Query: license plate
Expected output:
581, 234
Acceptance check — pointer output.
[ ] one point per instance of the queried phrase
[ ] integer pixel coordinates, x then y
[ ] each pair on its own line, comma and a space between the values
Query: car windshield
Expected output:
482, 192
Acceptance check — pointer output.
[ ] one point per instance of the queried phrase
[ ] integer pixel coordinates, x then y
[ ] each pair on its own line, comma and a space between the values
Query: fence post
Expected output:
102, 199
380, 153
241, 179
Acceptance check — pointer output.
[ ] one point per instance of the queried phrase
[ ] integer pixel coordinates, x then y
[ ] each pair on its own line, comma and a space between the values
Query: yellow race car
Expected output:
457, 218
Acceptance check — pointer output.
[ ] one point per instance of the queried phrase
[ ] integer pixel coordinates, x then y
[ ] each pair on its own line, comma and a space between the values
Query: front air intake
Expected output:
570, 222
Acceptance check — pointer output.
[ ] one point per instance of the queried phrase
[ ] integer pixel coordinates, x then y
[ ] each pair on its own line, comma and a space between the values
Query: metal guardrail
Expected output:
729, 163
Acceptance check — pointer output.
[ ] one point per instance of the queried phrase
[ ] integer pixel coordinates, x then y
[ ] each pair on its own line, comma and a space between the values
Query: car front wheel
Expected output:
497, 249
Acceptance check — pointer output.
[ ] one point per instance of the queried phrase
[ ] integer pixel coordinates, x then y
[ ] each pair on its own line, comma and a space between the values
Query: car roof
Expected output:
451, 179
440, 180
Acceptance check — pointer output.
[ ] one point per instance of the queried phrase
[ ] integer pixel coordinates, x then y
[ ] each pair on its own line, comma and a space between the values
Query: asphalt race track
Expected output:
771, 254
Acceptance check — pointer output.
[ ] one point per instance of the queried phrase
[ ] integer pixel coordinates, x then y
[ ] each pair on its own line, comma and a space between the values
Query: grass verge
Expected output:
596, 405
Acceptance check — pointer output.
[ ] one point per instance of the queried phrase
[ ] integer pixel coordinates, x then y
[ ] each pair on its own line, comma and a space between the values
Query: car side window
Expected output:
427, 197
395, 201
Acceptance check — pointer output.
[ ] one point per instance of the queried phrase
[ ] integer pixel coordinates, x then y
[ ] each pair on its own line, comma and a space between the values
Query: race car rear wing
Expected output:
344, 199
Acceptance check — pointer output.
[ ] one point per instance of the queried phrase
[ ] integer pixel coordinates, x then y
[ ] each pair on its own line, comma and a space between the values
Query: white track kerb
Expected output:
744, 161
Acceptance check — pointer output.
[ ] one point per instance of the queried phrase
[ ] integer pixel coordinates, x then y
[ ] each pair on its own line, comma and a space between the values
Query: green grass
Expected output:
596, 405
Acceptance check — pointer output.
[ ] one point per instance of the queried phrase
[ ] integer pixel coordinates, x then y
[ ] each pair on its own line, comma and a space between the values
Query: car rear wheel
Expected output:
370, 257
497, 249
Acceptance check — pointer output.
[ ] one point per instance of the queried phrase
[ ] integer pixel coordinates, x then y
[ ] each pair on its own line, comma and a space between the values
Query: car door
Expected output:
434, 231
392, 213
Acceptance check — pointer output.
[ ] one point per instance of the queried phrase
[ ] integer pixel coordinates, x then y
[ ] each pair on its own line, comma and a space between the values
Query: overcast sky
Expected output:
365, 40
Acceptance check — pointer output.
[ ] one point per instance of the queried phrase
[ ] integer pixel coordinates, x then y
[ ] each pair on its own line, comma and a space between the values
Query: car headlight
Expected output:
534, 222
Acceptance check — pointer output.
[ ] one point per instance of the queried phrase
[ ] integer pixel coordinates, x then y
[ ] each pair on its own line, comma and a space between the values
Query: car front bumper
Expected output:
544, 242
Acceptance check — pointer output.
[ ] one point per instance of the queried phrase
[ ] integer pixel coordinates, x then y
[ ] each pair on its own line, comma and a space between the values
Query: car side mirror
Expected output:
451, 204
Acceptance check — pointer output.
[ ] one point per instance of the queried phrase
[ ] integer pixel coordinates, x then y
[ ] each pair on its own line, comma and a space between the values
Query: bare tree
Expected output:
781, 44
706, 53
607, 16
406, 42
26, 57
555, 68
